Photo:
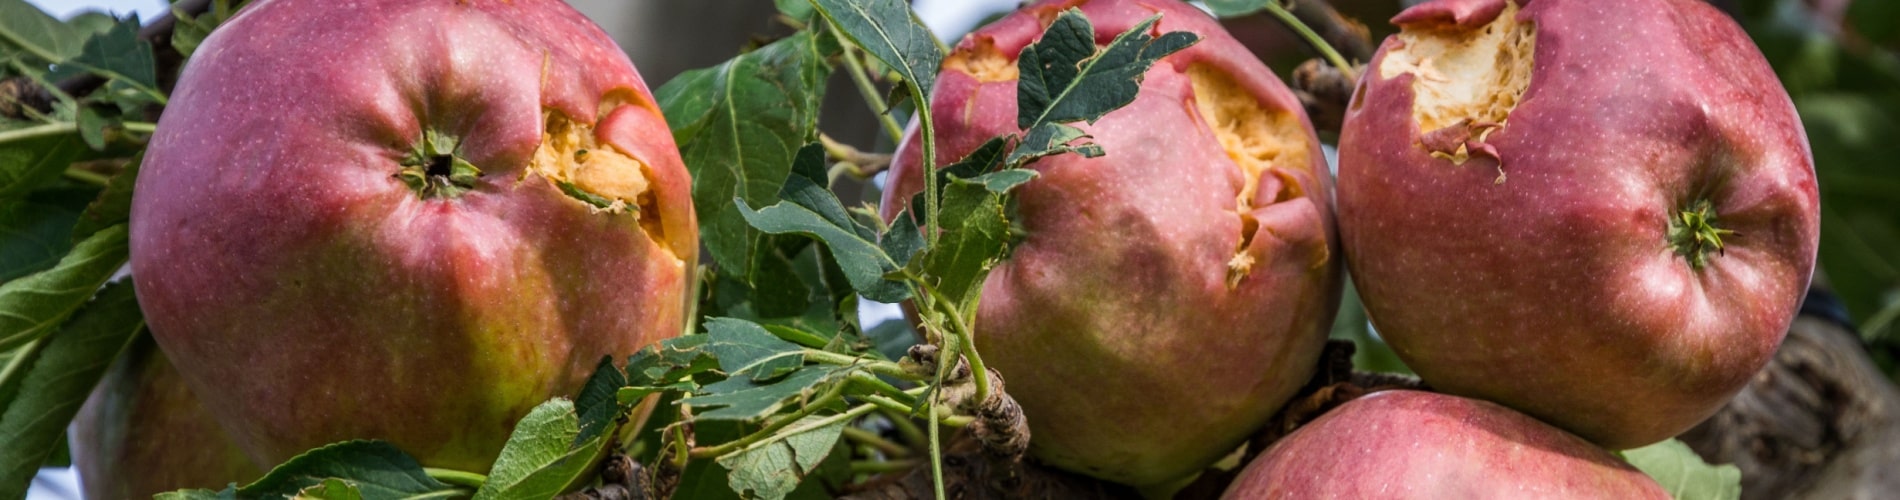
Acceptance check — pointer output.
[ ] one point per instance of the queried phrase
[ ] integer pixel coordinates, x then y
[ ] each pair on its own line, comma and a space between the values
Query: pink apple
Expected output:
408, 221
1601, 213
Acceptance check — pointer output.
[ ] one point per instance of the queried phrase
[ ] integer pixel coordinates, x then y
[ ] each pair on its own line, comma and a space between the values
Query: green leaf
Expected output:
975, 233
596, 404
795, 9
33, 236
27, 30
887, 30
772, 470
541, 458
117, 54
746, 349
738, 125
229, 493
113, 206
1064, 79
377, 469
31, 307
1235, 8
58, 382
1684, 474
30, 157
811, 210
1049, 139
740, 398
331, 489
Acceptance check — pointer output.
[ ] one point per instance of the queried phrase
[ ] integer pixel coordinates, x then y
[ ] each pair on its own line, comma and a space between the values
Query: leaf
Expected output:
744, 348
31, 307
795, 9
117, 54
59, 381
809, 209
597, 404
1065, 80
27, 30
738, 125
114, 205
331, 489
34, 235
1684, 474
887, 30
540, 459
31, 157
377, 469
1235, 8
740, 398
1049, 139
773, 470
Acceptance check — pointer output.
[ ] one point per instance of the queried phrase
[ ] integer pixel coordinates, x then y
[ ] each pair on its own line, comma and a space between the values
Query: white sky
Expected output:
66, 8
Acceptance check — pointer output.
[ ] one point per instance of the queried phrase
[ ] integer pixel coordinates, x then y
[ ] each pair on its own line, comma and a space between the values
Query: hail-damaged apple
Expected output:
1601, 213
1412, 444
1163, 300
407, 221
142, 433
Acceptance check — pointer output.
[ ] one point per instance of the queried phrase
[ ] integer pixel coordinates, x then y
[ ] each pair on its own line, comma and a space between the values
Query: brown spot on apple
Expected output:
571, 153
984, 62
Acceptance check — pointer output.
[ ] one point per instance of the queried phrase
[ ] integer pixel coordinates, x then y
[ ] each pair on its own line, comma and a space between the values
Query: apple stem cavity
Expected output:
1693, 233
434, 171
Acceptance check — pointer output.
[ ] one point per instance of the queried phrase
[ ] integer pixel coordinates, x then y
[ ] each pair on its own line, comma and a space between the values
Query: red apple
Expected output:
142, 433
1601, 213
1412, 444
1169, 297
408, 221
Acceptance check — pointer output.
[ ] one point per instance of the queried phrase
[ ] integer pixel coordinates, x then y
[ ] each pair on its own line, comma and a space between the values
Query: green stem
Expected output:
966, 342
871, 438
936, 448
879, 386
834, 394
87, 176
928, 129
140, 127
37, 131
868, 90
456, 477
879, 367
1312, 38
900, 418
692, 303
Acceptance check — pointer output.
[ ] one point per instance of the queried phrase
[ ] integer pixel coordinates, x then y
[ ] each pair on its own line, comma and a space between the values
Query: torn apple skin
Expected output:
350, 239
1167, 298
1651, 242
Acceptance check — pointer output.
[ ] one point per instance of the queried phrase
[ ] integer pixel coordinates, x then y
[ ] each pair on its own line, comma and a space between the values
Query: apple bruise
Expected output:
1465, 82
1259, 141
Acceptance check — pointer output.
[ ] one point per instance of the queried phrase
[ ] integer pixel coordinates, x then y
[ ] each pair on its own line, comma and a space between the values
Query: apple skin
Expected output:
1556, 292
142, 432
1413, 444
310, 296
1132, 357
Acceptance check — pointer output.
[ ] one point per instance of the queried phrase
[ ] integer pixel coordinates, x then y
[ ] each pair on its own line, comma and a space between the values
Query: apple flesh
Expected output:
142, 432
1169, 297
407, 221
1601, 213
1412, 444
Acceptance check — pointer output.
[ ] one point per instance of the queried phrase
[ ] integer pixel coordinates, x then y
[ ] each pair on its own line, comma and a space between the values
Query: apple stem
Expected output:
1312, 38
1694, 234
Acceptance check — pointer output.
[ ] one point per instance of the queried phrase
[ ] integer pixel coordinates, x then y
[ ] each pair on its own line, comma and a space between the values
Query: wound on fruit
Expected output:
983, 62
1693, 233
584, 168
1465, 81
1258, 140
433, 170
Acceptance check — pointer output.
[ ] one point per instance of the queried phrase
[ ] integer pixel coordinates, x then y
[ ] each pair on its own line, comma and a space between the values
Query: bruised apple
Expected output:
1601, 213
407, 221
1412, 444
1164, 299
142, 432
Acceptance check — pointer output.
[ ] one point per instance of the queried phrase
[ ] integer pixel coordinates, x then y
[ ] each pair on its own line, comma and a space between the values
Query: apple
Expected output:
142, 433
1164, 299
1415, 444
407, 221
1600, 213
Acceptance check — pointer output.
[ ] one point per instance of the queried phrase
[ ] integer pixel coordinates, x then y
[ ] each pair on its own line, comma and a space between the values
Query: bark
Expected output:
1821, 421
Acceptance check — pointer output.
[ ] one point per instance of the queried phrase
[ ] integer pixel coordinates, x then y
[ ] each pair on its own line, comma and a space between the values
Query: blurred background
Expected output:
1837, 59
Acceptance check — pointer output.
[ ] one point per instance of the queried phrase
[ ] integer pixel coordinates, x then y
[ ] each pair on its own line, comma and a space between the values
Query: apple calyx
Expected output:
434, 171
1694, 234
